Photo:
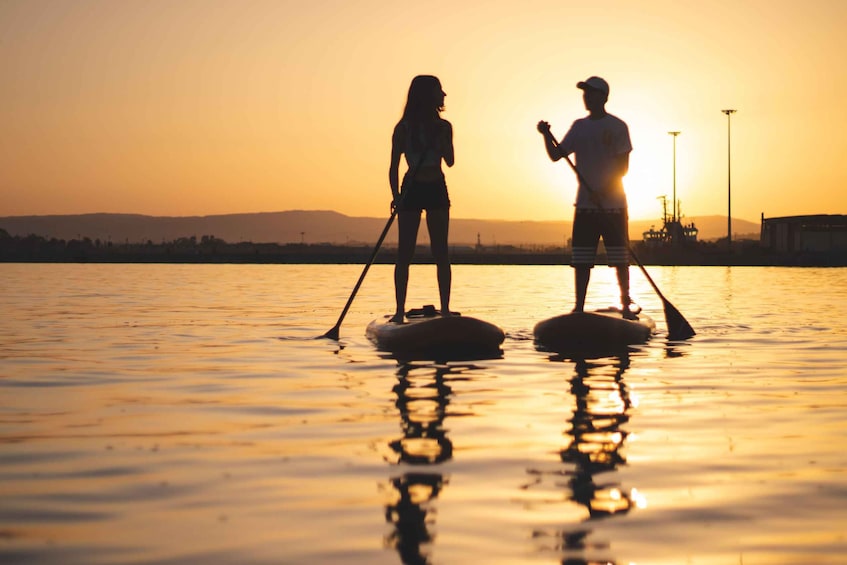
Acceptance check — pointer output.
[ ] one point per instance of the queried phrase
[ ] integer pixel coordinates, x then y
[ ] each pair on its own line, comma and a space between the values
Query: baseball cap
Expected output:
595, 83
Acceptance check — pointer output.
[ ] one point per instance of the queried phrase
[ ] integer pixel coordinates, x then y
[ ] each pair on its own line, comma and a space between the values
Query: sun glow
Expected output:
643, 196
248, 110
650, 173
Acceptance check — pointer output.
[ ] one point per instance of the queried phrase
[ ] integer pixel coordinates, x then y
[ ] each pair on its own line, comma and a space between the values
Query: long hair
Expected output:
423, 104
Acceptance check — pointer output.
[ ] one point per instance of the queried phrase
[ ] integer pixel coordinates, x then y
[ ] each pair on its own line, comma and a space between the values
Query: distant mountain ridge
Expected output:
319, 226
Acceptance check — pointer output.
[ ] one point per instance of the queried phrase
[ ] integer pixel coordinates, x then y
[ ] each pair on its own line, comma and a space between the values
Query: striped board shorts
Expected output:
589, 225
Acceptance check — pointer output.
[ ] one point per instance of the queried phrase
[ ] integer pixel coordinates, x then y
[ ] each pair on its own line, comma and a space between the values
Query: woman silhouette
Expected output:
426, 139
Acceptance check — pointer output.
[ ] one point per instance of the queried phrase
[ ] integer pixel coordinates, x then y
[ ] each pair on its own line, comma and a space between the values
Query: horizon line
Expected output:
565, 219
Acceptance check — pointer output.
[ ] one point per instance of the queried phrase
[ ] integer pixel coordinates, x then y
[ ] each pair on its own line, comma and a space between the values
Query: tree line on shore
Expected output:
39, 248
211, 249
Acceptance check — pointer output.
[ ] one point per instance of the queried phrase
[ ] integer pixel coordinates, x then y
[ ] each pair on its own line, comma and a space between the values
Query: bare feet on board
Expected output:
631, 311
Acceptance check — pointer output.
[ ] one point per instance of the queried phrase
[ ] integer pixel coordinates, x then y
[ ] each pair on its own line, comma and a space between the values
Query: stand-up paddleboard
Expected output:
599, 329
427, 331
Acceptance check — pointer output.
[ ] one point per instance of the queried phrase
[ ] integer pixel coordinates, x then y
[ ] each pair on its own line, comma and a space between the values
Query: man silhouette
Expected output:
601, 145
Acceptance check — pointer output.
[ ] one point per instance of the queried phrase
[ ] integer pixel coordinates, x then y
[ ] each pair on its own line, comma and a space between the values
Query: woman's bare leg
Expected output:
408, 222
438, 224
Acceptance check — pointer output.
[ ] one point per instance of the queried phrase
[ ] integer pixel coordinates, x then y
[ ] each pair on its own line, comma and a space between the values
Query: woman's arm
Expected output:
446, 143
398, 140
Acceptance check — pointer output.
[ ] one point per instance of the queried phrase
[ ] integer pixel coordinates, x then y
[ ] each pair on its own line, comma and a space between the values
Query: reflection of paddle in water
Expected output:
421, 401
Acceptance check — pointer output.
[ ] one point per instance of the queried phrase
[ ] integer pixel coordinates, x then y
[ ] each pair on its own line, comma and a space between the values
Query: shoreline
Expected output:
35, 249
388, 258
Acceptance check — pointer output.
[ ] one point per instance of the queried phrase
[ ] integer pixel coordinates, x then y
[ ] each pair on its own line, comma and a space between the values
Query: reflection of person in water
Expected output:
422, 405
422, 413
602, 406
597, 438
410, 515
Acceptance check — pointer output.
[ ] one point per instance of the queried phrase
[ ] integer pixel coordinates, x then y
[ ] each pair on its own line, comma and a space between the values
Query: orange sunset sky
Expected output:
197, 107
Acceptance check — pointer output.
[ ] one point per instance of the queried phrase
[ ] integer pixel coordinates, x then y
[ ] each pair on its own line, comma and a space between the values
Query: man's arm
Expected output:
549, 142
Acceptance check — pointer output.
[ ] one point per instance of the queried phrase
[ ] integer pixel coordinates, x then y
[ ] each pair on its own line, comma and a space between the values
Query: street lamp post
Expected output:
728, 179
674, 134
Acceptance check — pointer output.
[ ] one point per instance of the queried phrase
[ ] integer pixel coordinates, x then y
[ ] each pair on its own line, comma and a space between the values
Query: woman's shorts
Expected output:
589, 226
418, 195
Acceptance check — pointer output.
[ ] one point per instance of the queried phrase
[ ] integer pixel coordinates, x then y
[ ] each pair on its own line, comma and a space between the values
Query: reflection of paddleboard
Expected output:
597, 329
426, 330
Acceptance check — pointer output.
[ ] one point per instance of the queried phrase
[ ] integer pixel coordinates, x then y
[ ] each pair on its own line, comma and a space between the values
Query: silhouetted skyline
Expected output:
298, 226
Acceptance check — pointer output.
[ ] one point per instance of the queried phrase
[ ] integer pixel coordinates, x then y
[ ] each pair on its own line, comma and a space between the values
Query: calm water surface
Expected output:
180, 414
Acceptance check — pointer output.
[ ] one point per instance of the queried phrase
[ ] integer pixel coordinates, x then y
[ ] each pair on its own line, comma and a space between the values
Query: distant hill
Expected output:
319, 226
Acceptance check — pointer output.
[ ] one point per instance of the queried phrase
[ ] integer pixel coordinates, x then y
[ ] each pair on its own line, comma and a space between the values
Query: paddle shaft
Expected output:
334, 332
678, 326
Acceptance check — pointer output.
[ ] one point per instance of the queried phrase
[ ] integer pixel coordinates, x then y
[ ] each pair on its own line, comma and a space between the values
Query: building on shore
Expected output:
820, 233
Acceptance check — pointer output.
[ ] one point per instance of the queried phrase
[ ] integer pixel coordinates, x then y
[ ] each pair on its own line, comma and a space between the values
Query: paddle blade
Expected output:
678, 326
331, 334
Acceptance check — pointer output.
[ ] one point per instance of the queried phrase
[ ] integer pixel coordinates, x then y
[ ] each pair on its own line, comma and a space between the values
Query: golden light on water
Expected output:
637, 498
144, 420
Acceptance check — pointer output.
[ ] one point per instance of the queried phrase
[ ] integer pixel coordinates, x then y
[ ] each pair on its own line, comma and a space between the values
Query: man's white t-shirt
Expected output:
596, 144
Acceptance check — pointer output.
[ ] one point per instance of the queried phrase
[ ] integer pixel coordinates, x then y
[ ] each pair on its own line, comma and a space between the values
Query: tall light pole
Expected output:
674, 134
728, 178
